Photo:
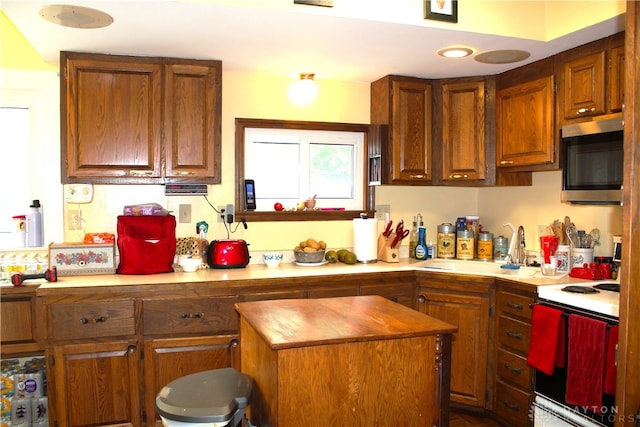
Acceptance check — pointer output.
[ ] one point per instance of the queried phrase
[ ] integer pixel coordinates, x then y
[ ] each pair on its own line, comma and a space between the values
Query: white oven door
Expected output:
549, 414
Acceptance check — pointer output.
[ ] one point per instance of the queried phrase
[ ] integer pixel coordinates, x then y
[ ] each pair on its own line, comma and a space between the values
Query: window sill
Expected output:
264, 216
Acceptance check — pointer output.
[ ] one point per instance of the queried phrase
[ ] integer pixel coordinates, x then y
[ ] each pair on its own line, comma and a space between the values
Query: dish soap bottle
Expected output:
421, 247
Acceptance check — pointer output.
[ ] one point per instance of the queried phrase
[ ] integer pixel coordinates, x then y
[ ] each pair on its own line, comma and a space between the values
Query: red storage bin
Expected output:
147, 244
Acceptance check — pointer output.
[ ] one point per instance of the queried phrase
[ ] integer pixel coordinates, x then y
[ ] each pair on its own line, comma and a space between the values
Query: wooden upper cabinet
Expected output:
463, 131
592, 79
191, 125
111, 118
139, 120
404, 104
525, 124
584, 86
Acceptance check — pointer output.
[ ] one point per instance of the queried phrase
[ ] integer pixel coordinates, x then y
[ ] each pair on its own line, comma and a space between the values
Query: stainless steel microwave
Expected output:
592, 162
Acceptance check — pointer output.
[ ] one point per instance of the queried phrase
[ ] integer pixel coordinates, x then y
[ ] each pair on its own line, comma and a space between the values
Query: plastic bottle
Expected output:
421, 247
34, 226
413, 238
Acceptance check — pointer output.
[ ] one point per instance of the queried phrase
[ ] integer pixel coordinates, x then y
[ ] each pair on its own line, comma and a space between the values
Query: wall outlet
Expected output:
226, 214
74, 219
383, 212
184, 214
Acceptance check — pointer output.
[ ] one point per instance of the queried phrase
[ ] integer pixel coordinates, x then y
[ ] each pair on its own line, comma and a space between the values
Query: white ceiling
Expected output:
284, 40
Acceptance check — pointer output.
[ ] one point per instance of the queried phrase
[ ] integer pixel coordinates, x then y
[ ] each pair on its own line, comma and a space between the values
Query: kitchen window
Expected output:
292, 161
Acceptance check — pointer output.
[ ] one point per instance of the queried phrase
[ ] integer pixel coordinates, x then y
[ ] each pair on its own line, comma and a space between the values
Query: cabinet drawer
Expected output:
91, 320
518, 305
514, 334
190, 315
514, 368
513, 404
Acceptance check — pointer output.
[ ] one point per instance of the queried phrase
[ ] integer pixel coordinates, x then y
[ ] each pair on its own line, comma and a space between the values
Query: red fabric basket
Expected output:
147, 244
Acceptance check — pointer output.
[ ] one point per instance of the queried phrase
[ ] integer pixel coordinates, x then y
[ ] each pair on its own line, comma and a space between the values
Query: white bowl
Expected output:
272, 259
189, 264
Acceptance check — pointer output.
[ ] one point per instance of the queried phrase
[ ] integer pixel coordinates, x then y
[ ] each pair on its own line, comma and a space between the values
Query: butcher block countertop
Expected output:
294, 323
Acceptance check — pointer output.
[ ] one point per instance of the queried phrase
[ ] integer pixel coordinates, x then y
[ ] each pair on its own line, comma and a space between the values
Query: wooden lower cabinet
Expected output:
514, 380
455, 304
95, 383
22, 337
166, 359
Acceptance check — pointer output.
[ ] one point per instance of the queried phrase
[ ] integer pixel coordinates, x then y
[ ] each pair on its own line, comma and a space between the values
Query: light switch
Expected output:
184, 214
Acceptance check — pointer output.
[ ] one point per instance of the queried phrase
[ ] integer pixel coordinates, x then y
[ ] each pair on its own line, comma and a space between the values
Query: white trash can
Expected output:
213, 398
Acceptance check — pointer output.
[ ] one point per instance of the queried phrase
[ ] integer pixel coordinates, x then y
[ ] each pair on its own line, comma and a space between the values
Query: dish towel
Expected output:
610, 364
546, 349
585, 365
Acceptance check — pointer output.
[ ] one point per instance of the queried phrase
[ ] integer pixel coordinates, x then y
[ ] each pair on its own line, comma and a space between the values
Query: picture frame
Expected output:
441, 10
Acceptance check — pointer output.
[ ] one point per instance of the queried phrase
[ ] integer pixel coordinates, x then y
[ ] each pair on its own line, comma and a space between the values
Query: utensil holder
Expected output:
385, 252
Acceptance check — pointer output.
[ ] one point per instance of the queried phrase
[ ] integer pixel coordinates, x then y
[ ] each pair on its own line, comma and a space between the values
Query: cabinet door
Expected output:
95, 383
167, 359
192, 105
525, 124
469, 349
463, 131
18, 325
616, 79
402, 294
111, 119
411, 131
584, 86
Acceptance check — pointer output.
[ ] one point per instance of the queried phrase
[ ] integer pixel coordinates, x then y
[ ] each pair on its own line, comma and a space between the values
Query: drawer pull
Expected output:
100, 319
131, 349
515, 306
506, 162
512, 406
512, 369
198, 315
418, 176
586, 110
515, 335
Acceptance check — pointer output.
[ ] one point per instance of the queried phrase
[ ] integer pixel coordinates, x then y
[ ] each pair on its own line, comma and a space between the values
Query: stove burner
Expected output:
580, 290
613, 287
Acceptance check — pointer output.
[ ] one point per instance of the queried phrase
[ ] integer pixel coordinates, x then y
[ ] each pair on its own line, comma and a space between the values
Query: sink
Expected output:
475, 267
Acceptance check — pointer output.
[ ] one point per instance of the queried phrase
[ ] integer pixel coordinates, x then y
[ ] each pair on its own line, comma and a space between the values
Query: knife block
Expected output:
385, 252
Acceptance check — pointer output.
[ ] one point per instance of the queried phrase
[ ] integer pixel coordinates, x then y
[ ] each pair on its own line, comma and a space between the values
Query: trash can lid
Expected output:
209, 396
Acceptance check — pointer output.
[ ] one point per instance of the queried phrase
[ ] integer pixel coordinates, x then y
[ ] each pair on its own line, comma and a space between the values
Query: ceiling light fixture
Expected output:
303, 91
455, 52
75, 16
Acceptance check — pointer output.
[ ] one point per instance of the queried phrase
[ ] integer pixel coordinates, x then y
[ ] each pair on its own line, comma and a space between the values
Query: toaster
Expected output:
228, 254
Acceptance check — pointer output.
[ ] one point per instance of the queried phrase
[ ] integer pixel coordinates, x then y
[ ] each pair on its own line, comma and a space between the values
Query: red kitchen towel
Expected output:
546, 330
610, 364
585, 366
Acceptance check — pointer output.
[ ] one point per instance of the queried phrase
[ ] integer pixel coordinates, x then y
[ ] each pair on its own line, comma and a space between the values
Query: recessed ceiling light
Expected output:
502, 56
75, 16
455, 52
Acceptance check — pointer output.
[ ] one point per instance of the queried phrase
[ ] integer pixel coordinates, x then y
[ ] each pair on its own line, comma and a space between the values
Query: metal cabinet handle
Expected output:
506, 162
186, 173
512, 406
515, 335
131, 349
515, 306
586, 110
141, 173
198, 315
512, 369
86, 321
419, 176
458, 176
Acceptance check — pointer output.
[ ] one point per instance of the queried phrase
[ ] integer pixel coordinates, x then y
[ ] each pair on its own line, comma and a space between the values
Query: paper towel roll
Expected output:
365, 239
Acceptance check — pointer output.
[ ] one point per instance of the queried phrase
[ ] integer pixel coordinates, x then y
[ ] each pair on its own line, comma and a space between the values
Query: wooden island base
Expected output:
345, 361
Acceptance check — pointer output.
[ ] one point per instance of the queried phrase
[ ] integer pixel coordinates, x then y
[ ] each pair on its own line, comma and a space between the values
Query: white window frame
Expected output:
299, 168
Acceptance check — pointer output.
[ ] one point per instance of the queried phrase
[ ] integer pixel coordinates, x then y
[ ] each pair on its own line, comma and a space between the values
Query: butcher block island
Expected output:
360, 360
